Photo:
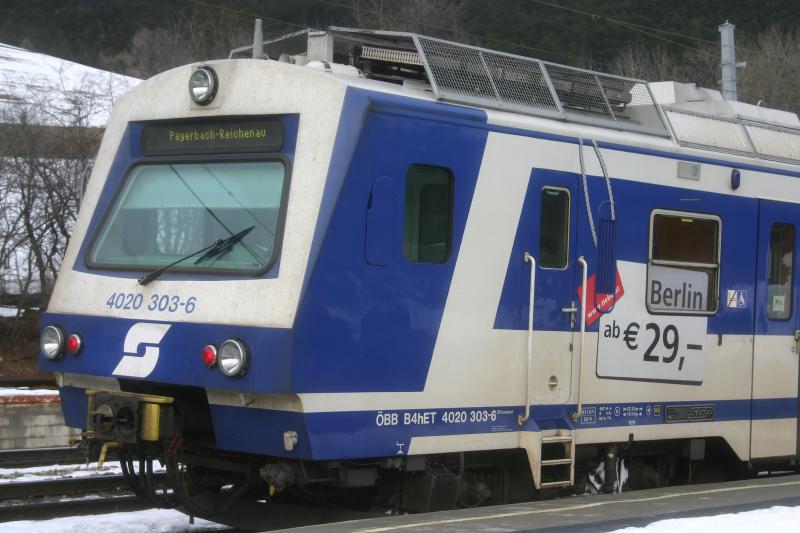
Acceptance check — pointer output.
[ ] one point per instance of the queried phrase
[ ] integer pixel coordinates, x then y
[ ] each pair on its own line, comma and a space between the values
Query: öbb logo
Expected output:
148, 334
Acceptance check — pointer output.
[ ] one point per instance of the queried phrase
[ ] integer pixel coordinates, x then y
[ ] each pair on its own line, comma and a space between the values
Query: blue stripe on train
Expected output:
179, 352
359, 434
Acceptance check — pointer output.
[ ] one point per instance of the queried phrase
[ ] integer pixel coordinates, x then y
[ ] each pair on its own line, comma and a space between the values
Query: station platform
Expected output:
606, 512
32, 418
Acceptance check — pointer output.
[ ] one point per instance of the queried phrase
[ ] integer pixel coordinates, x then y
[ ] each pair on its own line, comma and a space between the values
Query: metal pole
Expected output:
728, 61
258, 41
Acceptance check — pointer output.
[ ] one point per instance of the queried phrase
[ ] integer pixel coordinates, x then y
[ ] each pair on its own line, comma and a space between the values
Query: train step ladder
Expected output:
557, 452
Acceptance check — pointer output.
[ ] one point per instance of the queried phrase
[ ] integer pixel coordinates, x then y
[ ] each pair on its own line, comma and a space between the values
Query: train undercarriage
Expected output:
168, 455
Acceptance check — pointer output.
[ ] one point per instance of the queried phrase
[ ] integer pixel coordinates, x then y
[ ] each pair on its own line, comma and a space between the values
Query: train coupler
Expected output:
129, 418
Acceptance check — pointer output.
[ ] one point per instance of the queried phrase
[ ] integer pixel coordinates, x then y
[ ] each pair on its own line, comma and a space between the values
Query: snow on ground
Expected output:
154, 520
25, 391
772, 520
50, 472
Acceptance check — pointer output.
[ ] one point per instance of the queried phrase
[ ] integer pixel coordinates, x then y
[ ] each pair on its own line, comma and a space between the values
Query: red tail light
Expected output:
209, 355
74, 344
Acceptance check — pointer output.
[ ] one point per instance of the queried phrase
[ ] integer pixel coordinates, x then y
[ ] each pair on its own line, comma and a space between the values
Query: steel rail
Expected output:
25, 457
43, 510
80, 486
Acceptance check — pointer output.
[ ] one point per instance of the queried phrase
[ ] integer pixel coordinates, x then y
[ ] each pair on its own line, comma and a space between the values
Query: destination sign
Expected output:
228, 137
677, 289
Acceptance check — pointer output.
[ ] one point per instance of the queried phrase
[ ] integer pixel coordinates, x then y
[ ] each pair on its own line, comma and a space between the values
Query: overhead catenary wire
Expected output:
246, 13
649, 30
250, 14
450, 30
656, 36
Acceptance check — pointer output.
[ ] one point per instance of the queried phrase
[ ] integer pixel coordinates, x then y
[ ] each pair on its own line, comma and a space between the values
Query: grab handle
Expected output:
524, 418
585, 267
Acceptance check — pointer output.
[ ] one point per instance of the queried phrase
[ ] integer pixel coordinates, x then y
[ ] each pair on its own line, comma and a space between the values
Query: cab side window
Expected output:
554, 228
428, 224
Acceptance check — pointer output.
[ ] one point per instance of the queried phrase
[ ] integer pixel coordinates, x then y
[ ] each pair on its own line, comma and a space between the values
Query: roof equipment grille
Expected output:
735, 135
475, 76
470, 75
467, 74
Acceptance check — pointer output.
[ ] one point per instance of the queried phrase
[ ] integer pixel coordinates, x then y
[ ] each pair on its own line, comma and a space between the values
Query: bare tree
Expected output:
192, 37
773, 65
443, 18
700, 65
47, 148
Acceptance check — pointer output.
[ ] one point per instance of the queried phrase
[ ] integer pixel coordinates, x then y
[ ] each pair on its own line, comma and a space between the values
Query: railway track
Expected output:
39, 500
51, 498
44, 510
29, 457
67, 487
101, 494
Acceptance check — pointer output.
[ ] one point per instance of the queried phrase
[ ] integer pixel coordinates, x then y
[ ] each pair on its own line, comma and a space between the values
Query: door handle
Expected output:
797, 341
572, 309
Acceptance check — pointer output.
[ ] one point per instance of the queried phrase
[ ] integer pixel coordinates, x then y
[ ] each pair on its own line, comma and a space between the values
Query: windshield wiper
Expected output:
215, 248
223, 246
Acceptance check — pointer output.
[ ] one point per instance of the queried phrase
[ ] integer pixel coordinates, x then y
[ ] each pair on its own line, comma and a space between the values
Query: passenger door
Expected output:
555, 212
774, 426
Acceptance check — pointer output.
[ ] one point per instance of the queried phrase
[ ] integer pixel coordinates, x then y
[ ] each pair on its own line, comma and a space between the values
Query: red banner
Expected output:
597, 304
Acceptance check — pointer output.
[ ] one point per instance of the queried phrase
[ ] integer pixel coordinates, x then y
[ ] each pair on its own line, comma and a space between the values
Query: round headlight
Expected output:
203, 85
233, 358
51, 342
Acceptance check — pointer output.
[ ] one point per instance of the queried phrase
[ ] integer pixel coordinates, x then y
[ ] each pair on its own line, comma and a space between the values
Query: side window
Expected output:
683, 266
779, 271
428, 214
554, 228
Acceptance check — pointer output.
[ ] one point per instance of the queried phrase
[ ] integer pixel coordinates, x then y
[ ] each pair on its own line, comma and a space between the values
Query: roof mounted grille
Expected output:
735, 135
471, 75
476, 76
390, 56
467, 74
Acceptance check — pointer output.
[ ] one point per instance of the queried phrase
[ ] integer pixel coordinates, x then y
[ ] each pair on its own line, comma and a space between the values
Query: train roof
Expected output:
479, 77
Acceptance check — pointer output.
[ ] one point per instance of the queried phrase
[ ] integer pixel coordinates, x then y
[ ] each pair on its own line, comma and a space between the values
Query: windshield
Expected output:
167, 211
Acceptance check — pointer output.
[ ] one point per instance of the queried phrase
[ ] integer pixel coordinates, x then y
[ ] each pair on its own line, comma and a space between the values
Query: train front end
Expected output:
181, 282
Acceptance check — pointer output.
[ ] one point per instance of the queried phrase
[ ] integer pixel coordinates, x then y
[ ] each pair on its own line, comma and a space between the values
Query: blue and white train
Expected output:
387, 271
